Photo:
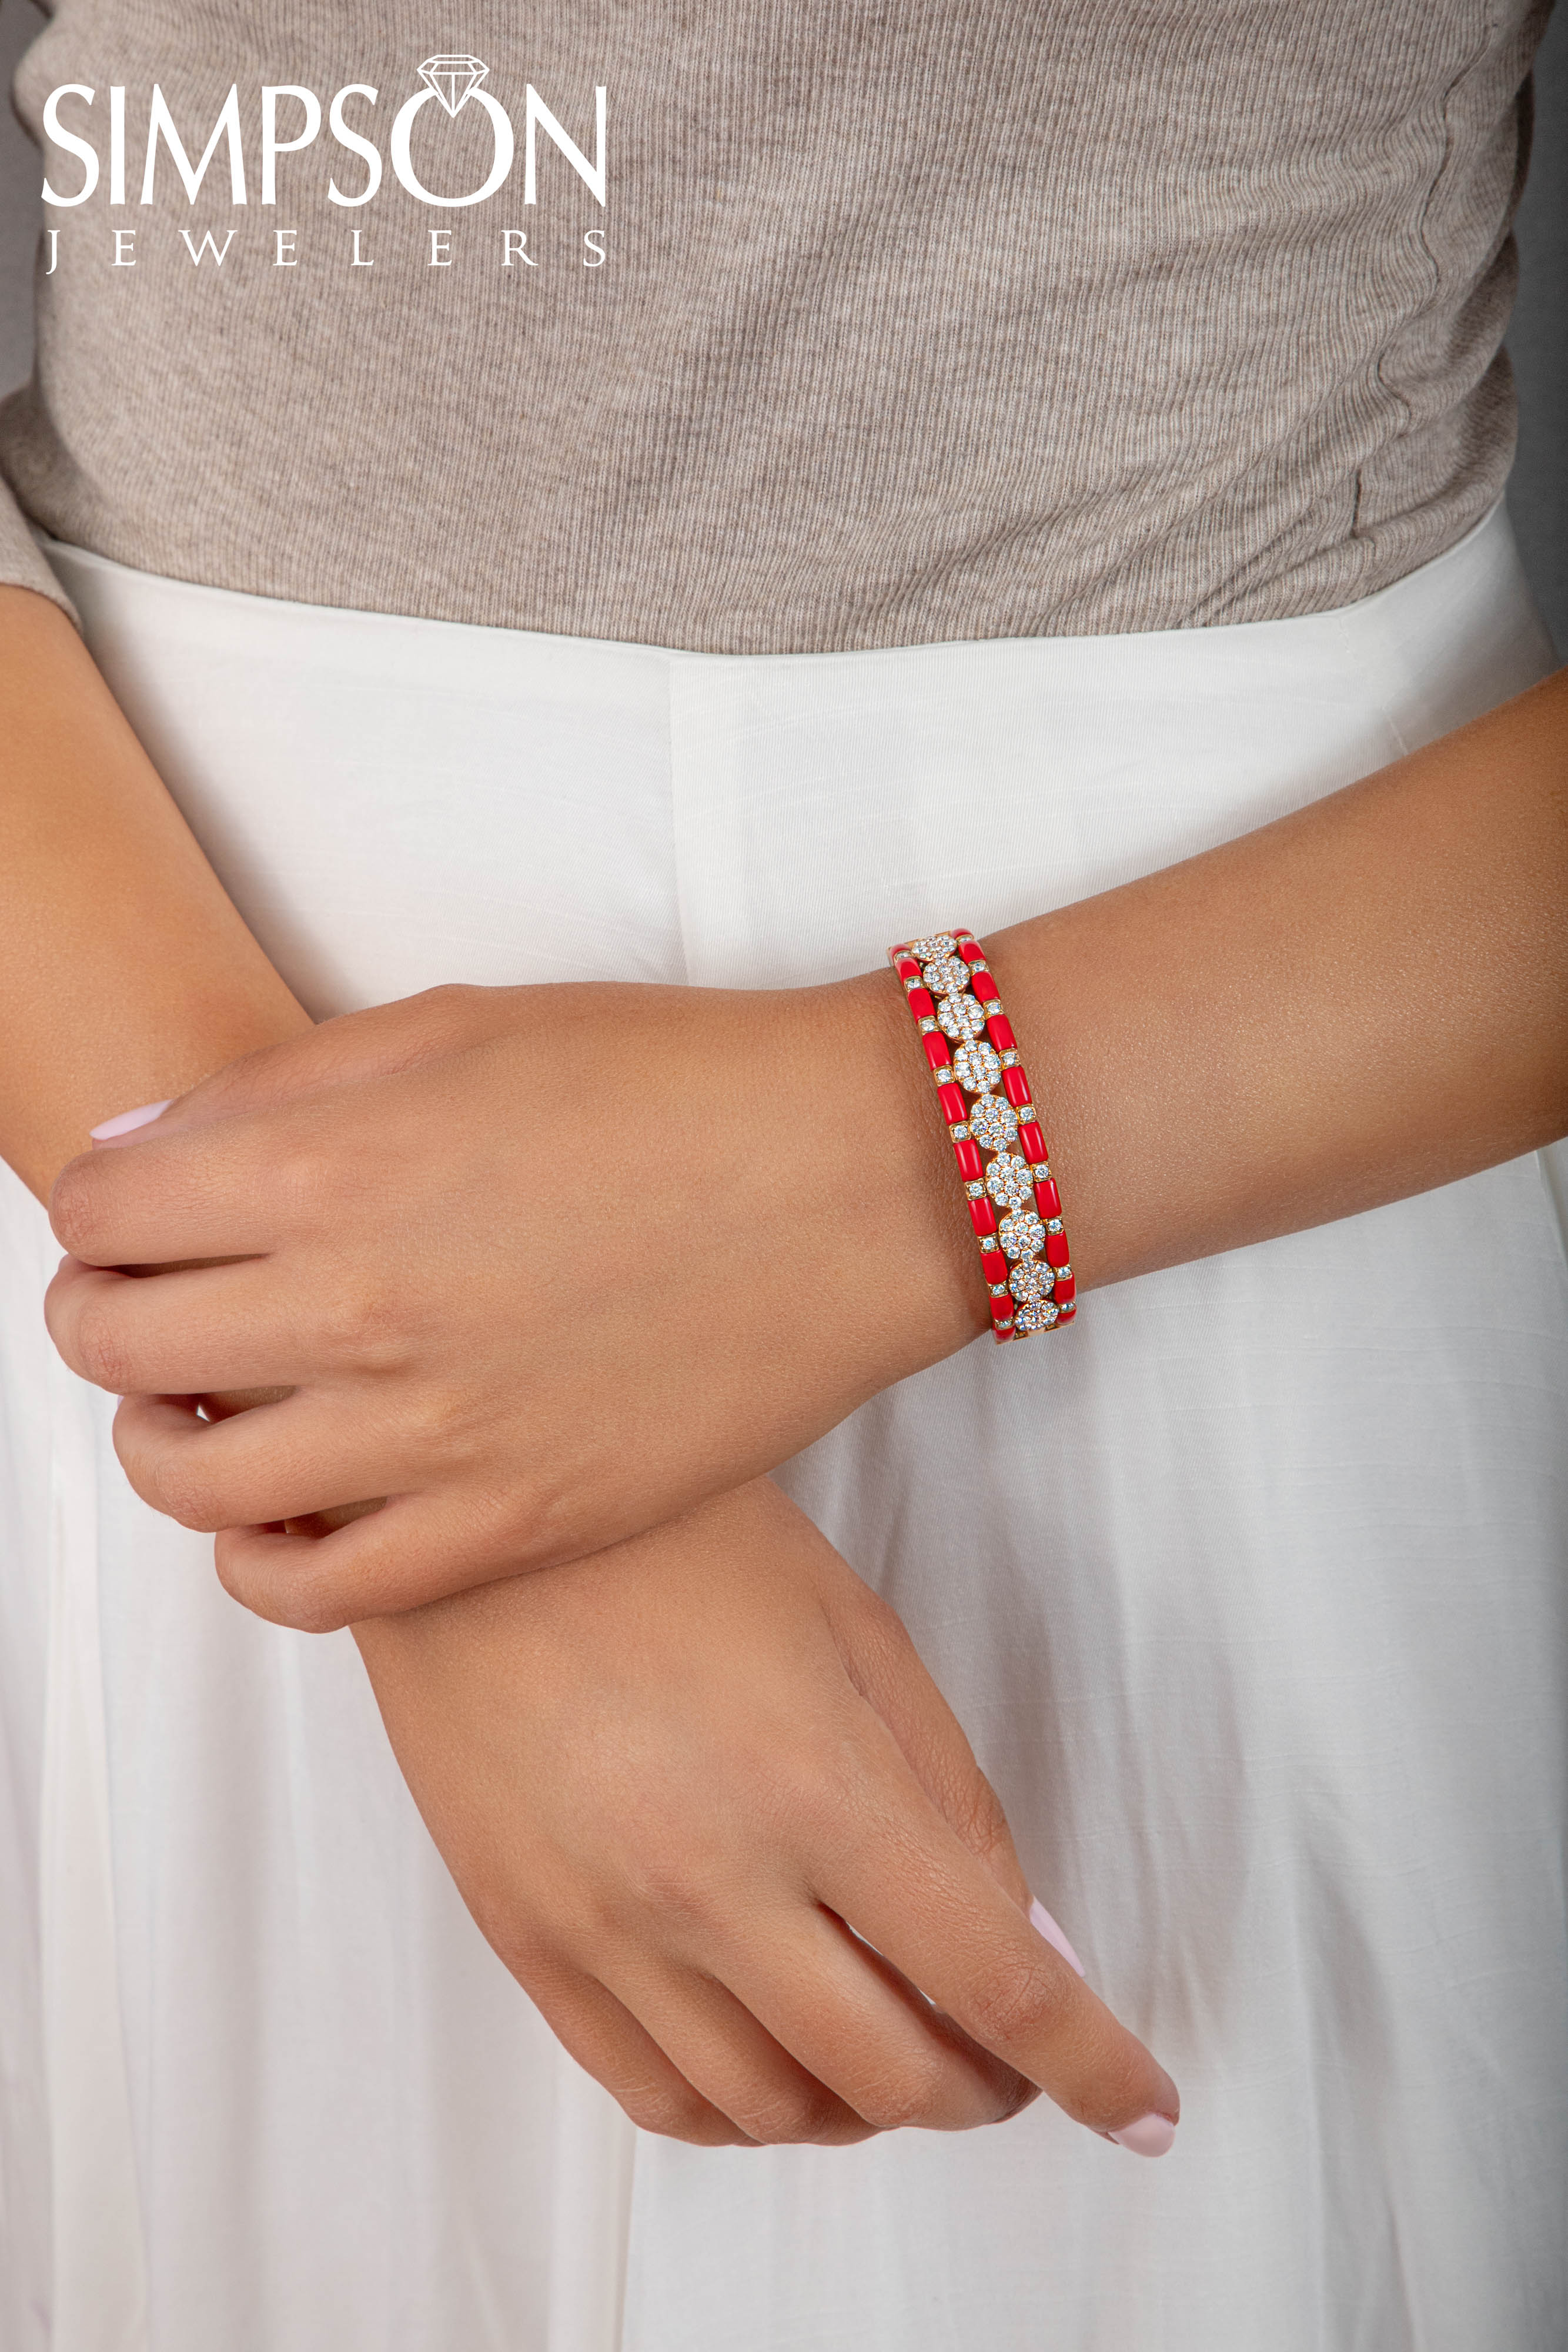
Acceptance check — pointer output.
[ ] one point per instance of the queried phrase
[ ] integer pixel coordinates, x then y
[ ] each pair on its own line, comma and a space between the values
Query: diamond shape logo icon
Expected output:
453, 79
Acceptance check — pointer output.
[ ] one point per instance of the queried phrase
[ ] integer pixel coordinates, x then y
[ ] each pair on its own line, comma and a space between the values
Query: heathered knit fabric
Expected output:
949, 319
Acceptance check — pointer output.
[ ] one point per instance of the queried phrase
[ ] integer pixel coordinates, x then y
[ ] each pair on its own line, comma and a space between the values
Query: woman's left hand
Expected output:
709, 1808
542, 1265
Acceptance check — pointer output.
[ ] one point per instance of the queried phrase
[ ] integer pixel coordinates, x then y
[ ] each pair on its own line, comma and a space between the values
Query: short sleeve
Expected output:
22, 565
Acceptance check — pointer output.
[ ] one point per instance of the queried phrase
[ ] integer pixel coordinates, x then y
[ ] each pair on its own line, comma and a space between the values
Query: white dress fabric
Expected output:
1249, 1590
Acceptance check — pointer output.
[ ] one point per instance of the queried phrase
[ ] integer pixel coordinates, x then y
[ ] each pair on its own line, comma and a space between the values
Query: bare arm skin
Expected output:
1361, 1001
126, 973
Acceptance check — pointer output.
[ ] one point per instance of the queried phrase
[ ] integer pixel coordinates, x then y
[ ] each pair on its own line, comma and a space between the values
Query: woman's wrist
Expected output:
1351, 1004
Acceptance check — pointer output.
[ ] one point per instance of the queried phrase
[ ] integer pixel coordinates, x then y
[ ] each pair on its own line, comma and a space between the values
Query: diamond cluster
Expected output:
947, 976
1022, 1235
1031, 1279
960, 1016
993, 1122
978, 1067
1010, 1180
1038, 1315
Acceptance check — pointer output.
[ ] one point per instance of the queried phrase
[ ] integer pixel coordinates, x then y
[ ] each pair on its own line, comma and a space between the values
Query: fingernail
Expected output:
127, 1119
1041, 1921
1150, 2136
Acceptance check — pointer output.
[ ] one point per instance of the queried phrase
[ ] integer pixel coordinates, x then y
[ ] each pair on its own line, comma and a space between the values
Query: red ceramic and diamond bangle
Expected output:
989, 1105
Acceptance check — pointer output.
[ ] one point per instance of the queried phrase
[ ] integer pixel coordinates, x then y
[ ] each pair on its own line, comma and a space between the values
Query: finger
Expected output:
183, 1333
283, 1461
351, 1045
420, 1547
887, 1670
222, 1405
855, 2025
609, 2044
885, 1667
228, 1188
717, 2045
914, 1891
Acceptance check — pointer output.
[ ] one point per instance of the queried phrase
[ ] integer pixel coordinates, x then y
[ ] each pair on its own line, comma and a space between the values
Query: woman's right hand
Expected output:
706, 1803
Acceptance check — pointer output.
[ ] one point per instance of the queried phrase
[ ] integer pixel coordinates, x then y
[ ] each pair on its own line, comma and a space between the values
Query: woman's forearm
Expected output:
1352, 1004
1357, 1002
125, 972
1362, 1000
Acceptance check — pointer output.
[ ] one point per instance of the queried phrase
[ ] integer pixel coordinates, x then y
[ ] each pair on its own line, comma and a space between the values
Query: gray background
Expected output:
1538, 340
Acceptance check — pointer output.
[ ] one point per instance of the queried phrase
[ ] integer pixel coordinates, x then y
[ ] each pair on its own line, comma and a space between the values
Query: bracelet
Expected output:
1024, 1256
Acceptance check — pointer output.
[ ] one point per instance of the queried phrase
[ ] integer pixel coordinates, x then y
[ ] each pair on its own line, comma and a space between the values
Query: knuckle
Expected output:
97, 1349
230, 1572
132, 1461
906, 2100
182, 1490
668, 1877
1016, 2094
313, 1613
73, 1211
442, 1422
308, 1603
977, 1814
305, 1178
517, 1944
450, 1000
359, 1325
791, 2118
1014, 2002
803, 1788
307, 1606
672, 2114
662, 1888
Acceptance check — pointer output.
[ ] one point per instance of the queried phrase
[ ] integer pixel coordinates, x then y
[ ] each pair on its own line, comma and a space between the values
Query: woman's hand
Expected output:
544, 1266
706, 1803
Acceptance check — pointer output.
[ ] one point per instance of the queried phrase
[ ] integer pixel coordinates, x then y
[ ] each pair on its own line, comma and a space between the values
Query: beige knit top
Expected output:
773, 326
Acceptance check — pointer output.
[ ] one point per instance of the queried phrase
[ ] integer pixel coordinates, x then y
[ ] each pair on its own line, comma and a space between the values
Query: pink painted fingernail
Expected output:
127, 1119
1150, 2136
1041, 1921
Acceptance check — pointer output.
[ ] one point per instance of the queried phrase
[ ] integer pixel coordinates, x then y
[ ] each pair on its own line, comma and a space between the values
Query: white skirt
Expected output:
1250, 1592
